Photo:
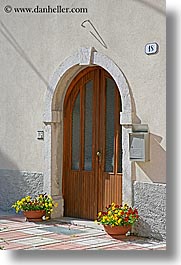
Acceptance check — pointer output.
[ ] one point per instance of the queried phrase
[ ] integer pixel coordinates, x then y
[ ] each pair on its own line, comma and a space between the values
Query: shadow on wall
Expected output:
151, 5
144, 229
15, 184
155, 169
11, 40
7, 189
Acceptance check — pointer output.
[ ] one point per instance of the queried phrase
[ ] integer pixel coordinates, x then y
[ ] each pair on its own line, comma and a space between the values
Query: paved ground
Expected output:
17, 234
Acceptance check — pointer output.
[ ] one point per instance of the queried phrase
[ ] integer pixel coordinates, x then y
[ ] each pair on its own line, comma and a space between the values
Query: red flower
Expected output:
130, 211
135, 211
126, 219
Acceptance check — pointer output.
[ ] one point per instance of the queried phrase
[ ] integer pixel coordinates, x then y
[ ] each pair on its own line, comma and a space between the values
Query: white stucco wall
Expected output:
32, 47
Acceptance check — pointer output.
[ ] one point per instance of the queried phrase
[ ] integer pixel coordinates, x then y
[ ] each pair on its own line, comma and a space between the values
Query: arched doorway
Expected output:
54, 121
92, 144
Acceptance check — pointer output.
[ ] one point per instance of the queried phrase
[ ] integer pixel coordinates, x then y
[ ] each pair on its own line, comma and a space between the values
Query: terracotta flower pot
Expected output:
34, 216
117, 231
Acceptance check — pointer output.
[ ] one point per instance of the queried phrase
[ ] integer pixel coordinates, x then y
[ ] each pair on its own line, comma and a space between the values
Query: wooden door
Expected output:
92, 151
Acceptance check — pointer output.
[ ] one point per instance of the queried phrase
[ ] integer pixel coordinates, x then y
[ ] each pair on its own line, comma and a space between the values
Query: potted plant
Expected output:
117, 219
35, 208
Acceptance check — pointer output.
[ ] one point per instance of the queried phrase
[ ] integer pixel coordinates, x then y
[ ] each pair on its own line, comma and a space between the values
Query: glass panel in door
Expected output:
88, 114
110, 121
76, 134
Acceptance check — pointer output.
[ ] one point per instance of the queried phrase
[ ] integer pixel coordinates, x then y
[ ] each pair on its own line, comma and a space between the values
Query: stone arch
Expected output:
53, 119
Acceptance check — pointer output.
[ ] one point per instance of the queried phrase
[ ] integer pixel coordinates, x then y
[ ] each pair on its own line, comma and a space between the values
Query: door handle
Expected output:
98, 154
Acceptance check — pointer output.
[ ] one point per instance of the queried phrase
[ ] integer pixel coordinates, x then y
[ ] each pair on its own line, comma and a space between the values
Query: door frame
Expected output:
53, 120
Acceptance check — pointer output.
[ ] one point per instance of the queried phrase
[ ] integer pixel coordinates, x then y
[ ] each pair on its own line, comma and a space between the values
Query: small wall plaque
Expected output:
40, 135
151, 48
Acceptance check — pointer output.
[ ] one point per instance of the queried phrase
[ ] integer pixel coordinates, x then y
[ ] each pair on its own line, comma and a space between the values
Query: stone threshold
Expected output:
79, 222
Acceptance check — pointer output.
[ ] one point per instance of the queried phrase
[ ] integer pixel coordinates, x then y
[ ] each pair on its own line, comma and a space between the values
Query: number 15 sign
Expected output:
151, 48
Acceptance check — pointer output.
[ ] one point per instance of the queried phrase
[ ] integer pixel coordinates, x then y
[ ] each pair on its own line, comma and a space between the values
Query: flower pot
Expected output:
117, 231
34, 216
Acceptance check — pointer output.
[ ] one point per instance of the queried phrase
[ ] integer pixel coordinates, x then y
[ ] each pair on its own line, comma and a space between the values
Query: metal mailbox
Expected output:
139, 143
